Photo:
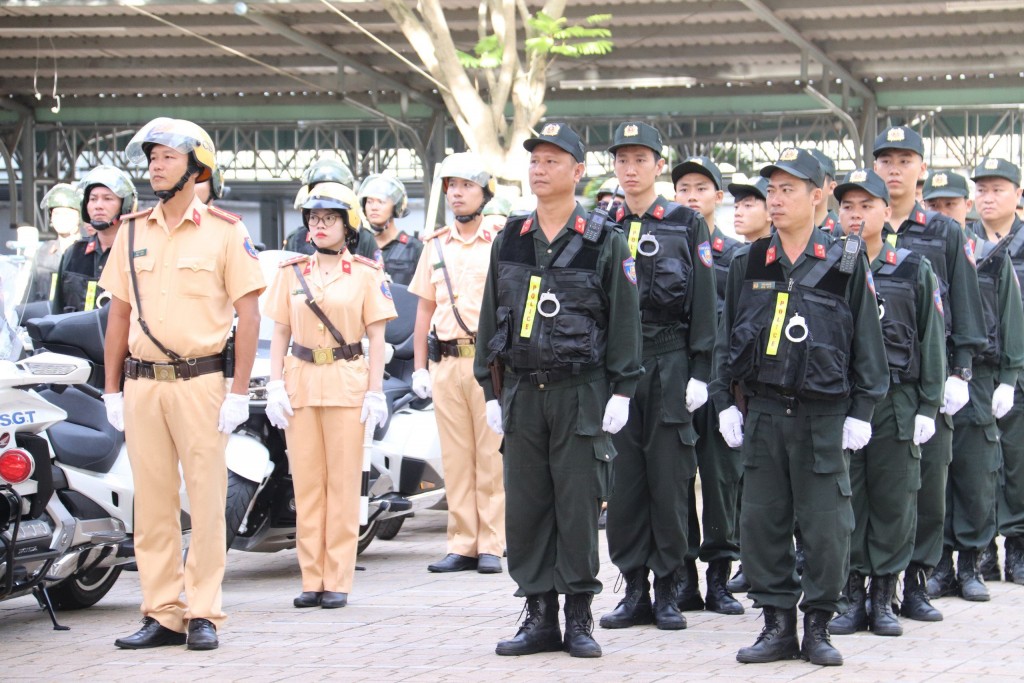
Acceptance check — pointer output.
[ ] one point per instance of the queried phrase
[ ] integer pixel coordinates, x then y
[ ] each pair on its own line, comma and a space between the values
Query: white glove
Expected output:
615, 414
924, 429
279, 408
233, 412
955, 395
1002, 400
730, 425
494, 416
115, 410
421, 383
696, 394
856, 433
375, 408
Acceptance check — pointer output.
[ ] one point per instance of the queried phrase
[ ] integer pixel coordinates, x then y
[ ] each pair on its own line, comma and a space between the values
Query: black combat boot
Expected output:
579, 627
816, 647
666, 613
883, 621
777, 639
539, 632
635, 607
856, 618
988, 562
718, 598
688, 588
916, 605
1014, 569
972, 586
738, 583
942, 582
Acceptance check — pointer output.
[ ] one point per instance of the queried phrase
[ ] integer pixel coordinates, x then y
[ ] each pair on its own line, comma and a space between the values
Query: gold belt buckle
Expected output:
164, 372
467, 350
323, 356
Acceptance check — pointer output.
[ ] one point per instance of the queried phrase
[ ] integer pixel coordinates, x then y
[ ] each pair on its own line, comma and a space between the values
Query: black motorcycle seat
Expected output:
398, 332
85, 440
83, 331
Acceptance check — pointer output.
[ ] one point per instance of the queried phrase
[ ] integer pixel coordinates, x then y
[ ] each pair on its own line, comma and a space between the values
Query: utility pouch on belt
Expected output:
433, 347
229, 355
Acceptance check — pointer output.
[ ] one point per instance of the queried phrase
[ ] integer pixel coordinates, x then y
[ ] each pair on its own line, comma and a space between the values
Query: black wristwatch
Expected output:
963, 373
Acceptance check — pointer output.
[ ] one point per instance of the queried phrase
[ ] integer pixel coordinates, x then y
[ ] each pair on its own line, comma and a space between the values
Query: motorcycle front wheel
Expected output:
85, 589
367, 532
240, 493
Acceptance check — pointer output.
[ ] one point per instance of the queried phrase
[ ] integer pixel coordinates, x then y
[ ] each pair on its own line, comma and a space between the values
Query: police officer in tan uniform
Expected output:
450, 280
192, 268
324, 390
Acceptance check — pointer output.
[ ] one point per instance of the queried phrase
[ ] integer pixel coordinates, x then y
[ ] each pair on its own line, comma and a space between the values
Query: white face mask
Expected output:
65, 221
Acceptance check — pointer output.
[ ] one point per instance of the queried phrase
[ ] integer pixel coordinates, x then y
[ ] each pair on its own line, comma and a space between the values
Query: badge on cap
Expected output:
940, 180
631, 131
895, 135
718, 244
937, 298
858, 176
819, 250
769, 257
790, 154
551, 129
704, 252
629, 268
250, 248
991, 164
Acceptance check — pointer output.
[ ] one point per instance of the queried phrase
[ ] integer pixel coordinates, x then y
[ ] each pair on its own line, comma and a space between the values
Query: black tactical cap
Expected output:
636, 133
702, 165
758, 188
992, 167
562, 136
899, 137
797, 162
945, 184
826, 162
862, 179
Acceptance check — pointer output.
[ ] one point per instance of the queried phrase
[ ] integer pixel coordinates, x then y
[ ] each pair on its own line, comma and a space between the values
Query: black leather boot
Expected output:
777, 639
579, 627
988, 562
942, 581
856, 618
718, 598
1014, 569
688, 588
635, 607
883, 621
816, 647
738, 583
916, 604
539, 632
972, 586
666, 614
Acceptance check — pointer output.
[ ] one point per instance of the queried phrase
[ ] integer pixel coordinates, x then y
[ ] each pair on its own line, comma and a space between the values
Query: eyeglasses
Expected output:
327, 220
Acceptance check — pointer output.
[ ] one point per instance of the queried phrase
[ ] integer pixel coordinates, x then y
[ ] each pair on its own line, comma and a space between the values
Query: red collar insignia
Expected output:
819, 250
403, 238
526, 226
620, 214
308, 269
346, 267
196, 217
890, 257
919, 217
90, 247
830, 223
659, 212
719, 244
487, 235
769, 258
581, 224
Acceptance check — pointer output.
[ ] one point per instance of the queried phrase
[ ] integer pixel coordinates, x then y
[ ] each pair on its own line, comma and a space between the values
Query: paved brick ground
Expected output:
405, 624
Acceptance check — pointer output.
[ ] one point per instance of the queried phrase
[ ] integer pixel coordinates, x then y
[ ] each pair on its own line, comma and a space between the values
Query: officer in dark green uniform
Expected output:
383, 199
801, 343
824, 217
698, 183
560, 311
899, 160
886, 473
647, 510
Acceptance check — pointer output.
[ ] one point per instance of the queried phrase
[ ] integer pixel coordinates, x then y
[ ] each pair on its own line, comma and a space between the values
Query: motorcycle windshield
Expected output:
14, 273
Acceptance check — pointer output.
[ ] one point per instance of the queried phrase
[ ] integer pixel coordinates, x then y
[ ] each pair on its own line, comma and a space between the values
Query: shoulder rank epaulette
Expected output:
436, 233
223, 215
137, 214
293, 261
365, 261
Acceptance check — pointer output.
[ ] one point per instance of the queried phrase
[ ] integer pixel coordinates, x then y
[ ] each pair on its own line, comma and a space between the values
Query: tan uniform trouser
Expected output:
472, 464
167, 423
325, 450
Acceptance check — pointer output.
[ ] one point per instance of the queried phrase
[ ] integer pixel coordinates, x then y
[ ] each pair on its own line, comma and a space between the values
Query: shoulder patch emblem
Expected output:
937, 298
365, 261
718, 244
659, 212
250, 248
224, 215
969, 252
629, 268
385, 290
704, 252
819, 250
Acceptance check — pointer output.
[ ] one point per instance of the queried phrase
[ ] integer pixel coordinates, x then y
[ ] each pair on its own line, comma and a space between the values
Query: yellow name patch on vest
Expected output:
634, 237
530, 310
90, 295
53, 286
775, 334
891, 239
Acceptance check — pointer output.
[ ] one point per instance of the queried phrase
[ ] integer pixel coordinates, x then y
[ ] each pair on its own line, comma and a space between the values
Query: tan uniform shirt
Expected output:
467, 261
189, 277
352, 296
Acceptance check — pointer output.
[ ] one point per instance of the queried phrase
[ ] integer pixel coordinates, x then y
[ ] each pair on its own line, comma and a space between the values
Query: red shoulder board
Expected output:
819, 250
830, 223
365, 261
292, 261
526, 226
581, 224
137, 214
487, 235
346, 267
90, 247
769, 257
620, 214
659, 212
719, 244
919, 217
224, 215
890, 257
403, 238
196, 218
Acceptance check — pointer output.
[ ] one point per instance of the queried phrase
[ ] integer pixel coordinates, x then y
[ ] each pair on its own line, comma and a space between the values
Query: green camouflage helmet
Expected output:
328, 170
499, 206
115, 180
381, 186
61, 195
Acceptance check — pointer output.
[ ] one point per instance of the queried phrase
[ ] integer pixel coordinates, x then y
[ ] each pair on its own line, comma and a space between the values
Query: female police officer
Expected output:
324, 303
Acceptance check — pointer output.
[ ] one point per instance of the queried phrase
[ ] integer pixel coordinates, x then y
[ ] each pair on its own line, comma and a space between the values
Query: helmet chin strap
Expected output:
468, 218
378, 228
165, 195
329, 252
100, 225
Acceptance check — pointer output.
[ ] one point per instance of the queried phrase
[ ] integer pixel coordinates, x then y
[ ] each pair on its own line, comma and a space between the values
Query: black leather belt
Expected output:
186, 368
542, 377
326, 356
458, 348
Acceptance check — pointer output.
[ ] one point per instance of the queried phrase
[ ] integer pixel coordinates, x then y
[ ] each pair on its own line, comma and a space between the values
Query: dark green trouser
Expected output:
795, 470
1010, 500
557, 463
720, 470
647, 508
931, 497
885, 477
973, 474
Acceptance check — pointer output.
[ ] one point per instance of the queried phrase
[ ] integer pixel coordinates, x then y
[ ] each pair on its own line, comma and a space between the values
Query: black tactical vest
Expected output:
990, 264
723, 259
930, 240
575, 336
896, 284
1016, 249
664, 265
816, 367
400, 259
